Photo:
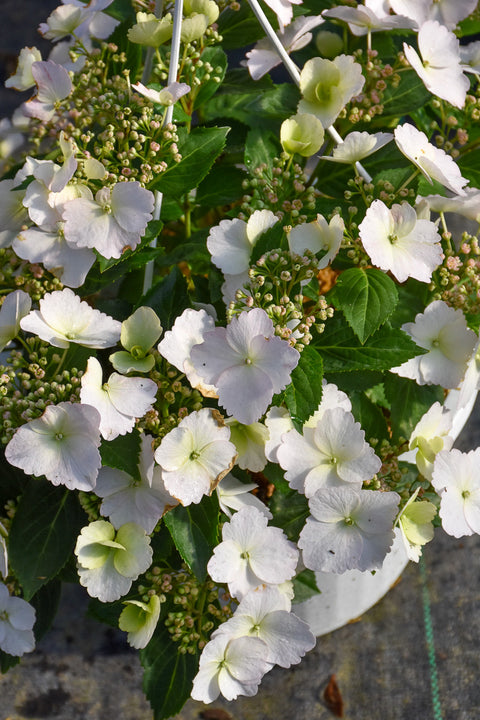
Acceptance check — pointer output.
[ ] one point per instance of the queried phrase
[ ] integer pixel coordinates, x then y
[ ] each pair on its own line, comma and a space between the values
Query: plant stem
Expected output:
293, 70
172, 76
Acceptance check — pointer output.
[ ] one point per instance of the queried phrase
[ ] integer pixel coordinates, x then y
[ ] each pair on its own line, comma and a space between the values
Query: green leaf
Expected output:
410, 94
369, 416
414, 297
7, 662
304, 586
304, 393
341, 350
169, 298
366, 298
199, 150
289, 509
222, 186
239, 27
122, 453
43, 533
469, 164
409, 402
255, 104
216, 57
194, 530
260, 148
45, 602
168, 675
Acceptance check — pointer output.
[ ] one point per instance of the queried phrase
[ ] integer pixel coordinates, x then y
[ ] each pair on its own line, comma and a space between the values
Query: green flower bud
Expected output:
302, 134
328, 44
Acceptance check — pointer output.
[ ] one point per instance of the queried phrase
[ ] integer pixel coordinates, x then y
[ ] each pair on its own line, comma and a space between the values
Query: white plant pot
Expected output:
345, 597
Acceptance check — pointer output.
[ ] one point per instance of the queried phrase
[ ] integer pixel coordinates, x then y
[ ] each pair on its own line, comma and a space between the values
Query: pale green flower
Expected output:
109, 561
139, 620
138, 335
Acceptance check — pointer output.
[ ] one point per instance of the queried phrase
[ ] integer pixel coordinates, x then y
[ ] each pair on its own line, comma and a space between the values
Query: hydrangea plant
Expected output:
240, 305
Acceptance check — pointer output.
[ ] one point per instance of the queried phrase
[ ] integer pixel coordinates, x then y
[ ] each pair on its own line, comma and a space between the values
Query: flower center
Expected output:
393, 239
465, 494
59, 436
349, 521
194, 455
248, 361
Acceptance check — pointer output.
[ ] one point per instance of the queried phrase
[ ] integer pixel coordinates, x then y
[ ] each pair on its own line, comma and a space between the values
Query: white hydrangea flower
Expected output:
63, 318
447, 12
120, 401
23, 78
69, 264
247, 364
252, 554
188, 330
231, 242
372, 16
399, 242
125, 499
470, 57
230, 667
439, 65
283, 10
15, 306
62, 444
53, 85
109, 561
17, 618
329, 454
265, 614
13, 214
432, 162
263, 57
166, 96
10, 141
318, 236
348, 529
114, 221
63, 21
358, 145
195, 456
328, 85
468, 205
235, 495
442, 331
279, 422
3, 551
431, 434
456, 478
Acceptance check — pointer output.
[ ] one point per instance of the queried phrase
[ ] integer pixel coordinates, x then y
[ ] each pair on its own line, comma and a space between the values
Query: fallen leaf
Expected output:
333, 697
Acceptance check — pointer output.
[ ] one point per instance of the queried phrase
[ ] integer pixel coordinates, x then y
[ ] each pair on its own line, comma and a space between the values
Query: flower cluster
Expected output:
238, 320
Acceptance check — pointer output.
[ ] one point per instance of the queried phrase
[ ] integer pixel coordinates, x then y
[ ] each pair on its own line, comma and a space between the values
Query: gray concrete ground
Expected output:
82, 671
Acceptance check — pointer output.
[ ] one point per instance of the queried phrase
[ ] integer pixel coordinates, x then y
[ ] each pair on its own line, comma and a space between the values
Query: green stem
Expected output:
407, 181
